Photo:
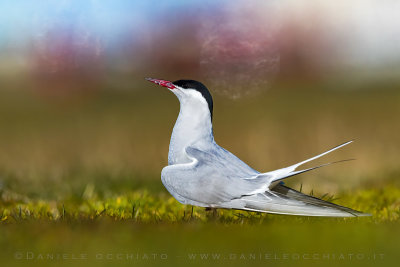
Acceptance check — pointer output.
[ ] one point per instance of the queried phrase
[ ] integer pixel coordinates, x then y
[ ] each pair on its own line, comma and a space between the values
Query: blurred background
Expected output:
290, 79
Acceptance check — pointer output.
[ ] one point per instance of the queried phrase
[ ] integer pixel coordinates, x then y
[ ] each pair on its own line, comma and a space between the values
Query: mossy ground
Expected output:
148, 207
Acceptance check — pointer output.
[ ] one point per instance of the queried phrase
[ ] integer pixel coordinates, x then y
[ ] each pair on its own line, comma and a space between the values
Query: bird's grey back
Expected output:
232, 164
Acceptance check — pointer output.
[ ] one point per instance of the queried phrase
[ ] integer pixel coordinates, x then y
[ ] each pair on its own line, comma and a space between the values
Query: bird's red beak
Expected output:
164, 83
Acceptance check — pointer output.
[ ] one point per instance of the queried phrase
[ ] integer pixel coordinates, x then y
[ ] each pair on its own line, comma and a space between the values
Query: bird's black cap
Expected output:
198, 86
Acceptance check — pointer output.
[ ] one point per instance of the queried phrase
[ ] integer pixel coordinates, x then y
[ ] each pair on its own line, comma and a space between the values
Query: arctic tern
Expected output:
201, 173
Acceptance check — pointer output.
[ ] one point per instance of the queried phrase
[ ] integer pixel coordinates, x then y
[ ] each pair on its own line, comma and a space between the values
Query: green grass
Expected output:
142, 206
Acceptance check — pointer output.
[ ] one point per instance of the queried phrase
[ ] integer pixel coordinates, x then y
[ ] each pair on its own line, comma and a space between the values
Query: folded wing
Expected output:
208, 179
284, 200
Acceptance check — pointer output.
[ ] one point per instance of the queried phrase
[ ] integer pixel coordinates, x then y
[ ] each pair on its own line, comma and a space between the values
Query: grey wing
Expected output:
236, 165
284, 200
208, 179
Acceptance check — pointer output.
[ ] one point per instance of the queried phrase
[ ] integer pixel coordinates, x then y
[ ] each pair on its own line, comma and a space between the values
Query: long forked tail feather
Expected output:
290, 171
312, 168
280, 199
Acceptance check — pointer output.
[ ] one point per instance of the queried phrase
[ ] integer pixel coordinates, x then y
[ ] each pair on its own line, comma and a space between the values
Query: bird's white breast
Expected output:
192, 128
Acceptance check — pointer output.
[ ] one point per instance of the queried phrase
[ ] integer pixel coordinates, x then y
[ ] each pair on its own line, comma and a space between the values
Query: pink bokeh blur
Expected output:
68, 47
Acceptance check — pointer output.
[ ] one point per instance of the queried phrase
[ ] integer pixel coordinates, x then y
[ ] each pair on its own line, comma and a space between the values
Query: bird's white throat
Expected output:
192, 128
